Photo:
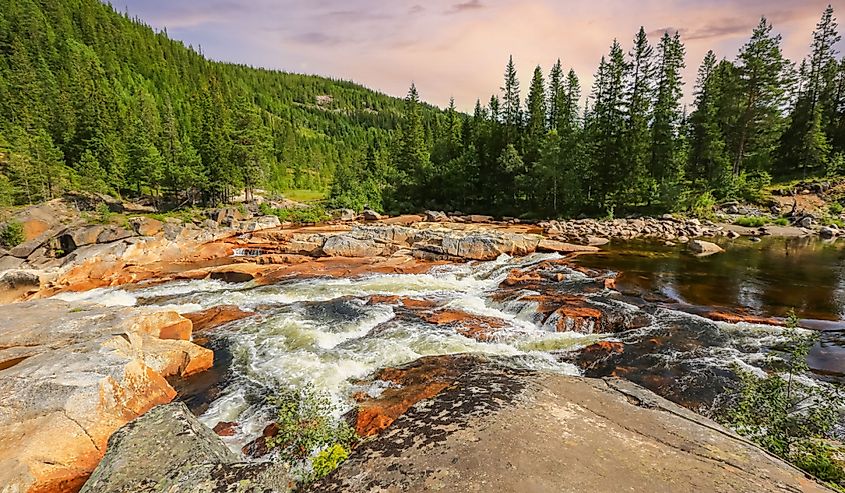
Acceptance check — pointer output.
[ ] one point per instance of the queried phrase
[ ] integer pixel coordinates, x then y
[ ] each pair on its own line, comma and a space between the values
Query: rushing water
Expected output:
325, 332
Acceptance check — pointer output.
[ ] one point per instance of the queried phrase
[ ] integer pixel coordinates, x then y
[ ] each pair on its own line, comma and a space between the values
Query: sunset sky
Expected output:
459, 48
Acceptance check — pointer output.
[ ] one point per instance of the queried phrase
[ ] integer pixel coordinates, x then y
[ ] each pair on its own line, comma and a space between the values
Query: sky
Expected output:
459, 48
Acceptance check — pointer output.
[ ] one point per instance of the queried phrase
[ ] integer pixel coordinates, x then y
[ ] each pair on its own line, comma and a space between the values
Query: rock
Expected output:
79, 237
755, 239
494, 428
546, 245
168, 449
348, 246
806, 222
479, 219
25, 249
225, 428
436, 216
703, 248
370, 215
16, 285
146, 226
259, 223
72, 374
10, 262
346, 214
597, 241
226, 216
113, 233
732, 234
827, 232
216, 316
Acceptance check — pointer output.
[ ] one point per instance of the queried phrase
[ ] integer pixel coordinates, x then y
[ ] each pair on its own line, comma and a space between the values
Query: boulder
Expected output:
806, 222
17, 284
478, 218
348, 246
345, 214
597, 241
146, 226
495, 428
216, 316
168, 449
114, 233
259, 223
370, 215
827, 232
26, 248
79, 237
72, 374
436, 216
703, 248
546, 245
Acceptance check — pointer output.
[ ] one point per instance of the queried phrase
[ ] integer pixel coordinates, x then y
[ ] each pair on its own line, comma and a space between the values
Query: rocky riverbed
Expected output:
112, 320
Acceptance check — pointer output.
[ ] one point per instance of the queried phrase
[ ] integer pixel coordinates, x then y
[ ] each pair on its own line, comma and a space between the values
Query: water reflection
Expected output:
766, 278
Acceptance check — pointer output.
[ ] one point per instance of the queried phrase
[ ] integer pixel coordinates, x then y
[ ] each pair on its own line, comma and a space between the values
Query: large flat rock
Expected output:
72, 374
503, 430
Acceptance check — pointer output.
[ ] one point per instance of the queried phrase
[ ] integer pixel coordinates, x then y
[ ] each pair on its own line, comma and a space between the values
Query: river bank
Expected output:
257, 305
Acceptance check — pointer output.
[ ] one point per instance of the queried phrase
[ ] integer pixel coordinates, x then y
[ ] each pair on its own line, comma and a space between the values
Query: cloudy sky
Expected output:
459, 47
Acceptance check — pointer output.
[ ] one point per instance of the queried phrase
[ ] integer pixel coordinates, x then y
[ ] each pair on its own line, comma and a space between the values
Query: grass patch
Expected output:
304, 195
752, 221
781, 221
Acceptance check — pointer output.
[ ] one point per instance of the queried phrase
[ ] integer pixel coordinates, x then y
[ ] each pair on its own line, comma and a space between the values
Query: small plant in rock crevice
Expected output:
787, 414
308, 432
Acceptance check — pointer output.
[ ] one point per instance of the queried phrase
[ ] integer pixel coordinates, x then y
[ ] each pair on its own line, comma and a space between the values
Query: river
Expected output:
330, 333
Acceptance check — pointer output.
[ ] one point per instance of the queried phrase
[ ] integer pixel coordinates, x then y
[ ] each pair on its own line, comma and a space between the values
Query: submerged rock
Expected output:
495, 428
169, 450
703, 248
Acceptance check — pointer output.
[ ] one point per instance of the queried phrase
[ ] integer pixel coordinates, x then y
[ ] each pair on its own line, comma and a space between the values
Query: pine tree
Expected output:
413, 158
555, 95
666, 163
536, 116
708, 161
763, 84
511, 104
249, 145
606, 131
639, 99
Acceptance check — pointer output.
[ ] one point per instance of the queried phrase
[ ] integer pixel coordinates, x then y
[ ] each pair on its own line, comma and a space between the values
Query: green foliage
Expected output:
781, 221
702, 206
752, 221
104, 214
11, 234
787, 416
328, 460
306, 427
310, 214
835, 208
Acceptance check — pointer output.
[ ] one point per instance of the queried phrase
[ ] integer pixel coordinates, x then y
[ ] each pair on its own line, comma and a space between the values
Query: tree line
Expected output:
95, 100
632, 146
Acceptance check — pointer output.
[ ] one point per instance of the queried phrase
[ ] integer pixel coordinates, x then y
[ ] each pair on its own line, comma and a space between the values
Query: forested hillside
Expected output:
633, 146
94, 100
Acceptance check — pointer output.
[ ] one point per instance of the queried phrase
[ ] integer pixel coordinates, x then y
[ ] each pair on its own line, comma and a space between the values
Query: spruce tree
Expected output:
763, 84
666, 166
708, 162
536, 116
555, 95
639, 99
511, 104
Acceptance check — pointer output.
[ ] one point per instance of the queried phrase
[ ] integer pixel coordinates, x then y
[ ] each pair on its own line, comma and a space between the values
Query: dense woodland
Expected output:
95, 100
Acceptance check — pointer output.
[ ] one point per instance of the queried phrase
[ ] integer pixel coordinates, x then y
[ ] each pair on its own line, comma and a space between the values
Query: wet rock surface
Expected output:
495, 428
169, 450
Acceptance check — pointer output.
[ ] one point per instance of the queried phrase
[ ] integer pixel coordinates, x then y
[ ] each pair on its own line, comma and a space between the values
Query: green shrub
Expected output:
787, 417
751, 221
781, 221
703, 206
835, 208
312, 214
305, 421
328, 459
103, 213
11, 234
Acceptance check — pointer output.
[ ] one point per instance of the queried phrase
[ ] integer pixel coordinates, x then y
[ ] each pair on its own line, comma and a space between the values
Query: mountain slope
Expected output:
93, 99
